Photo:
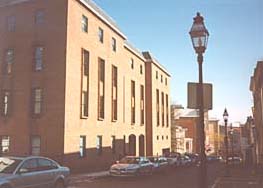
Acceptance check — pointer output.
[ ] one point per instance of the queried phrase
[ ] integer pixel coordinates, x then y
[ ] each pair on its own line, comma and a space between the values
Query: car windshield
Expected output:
8, 165
129, 160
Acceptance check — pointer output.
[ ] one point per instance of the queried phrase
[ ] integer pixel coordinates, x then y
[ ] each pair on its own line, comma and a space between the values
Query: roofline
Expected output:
159, 66
101, 17
134, 52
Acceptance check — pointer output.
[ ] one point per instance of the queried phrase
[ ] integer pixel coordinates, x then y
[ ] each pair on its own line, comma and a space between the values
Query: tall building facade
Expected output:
256, 87
74, 89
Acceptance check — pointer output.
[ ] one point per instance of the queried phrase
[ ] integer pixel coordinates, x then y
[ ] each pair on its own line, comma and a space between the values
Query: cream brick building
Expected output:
73, 88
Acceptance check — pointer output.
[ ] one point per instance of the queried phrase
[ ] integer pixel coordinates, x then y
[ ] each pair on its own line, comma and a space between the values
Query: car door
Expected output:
27, 176
47, 171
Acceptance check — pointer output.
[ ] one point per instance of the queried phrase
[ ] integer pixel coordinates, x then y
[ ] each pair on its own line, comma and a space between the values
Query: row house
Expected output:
74, 89
256, 87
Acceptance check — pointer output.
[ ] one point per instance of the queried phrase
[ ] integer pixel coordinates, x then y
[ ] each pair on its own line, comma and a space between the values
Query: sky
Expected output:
235, 45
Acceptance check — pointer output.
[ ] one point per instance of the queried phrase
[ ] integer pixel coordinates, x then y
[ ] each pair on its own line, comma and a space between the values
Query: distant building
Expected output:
188, 120
256, 87
212, 137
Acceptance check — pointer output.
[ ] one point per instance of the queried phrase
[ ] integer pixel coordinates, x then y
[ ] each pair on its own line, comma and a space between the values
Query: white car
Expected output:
132, 166
159, 163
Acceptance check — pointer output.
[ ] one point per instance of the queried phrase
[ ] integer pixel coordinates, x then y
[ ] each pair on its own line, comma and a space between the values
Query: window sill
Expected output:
100, 119
84, 117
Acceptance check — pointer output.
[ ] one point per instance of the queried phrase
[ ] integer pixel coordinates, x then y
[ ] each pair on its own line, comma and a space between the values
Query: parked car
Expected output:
194, 158
174, 159
185, 160
159, 163
234, 160
18, 172
212, 158
132, 166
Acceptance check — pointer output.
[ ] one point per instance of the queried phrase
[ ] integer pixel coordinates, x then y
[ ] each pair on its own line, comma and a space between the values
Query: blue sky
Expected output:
235, 44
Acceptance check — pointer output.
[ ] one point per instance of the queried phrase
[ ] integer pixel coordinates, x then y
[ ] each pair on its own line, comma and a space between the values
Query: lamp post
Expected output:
225, 116
199, 36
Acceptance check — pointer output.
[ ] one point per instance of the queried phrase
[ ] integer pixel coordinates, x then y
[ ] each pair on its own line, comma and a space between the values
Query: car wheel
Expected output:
59, 184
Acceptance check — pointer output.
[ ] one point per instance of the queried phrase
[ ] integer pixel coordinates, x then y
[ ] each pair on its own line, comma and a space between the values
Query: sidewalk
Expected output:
77, 178
239, 177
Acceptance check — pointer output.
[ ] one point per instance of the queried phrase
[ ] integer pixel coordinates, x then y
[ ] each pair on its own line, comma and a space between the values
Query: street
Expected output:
183, 177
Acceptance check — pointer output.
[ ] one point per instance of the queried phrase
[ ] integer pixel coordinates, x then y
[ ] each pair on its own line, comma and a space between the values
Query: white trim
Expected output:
103, 19
133, 51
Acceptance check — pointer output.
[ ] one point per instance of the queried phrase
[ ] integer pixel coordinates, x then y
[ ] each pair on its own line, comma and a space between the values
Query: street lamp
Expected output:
199, 36
225, 116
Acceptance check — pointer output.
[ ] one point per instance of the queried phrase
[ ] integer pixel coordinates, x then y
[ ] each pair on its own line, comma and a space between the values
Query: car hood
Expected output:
124, 166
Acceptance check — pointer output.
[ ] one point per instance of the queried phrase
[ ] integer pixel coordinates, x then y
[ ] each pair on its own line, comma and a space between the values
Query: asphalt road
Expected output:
184, 177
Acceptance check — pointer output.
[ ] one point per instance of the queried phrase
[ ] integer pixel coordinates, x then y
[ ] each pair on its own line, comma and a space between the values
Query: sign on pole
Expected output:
192, 90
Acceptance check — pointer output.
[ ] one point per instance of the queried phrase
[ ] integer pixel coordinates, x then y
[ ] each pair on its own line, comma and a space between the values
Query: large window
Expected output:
142, 104
9, 61
132, 63
37, 101
167, 111
5, 143
11, 23
162, 109
114, 97
84, 24
85, 84
5, 103
157, 107
82, 146
101, 88
132, 102
39, 52
35, 145
101, 35
99, 145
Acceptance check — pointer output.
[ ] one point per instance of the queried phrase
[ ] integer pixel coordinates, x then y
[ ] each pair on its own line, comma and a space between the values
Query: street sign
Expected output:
192, 90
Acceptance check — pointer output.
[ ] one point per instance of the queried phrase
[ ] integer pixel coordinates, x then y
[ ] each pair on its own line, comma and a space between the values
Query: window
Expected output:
142, 104
39, 51
114, 93
101, 88
84, 24
166, 81
11, 23
141, 71
82, 146
45, 164
157, 107
124, 145
167, 111
85, 84
29, 166
37, 101
132, 63
157, 75
84, 104
161, 78
132, 102
39, 17
157, 137
9, 61
5, 143
113, 144
167, 137
162, 137
35, 145
99, 145
162, 109
85, 62
5, 103
100, 34
113, 44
